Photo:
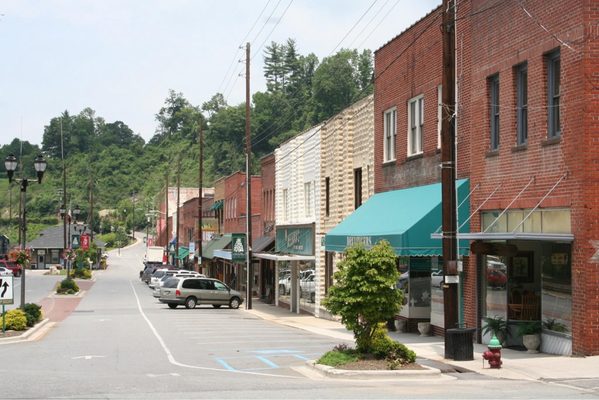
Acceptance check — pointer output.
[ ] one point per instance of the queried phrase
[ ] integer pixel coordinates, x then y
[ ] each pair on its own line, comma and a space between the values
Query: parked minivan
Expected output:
192, 291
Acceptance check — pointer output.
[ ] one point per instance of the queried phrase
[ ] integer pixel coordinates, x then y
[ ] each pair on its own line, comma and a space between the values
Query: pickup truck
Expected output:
13, 266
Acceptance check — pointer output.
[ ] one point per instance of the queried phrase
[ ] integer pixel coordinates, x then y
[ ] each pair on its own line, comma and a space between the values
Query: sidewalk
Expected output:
516, 364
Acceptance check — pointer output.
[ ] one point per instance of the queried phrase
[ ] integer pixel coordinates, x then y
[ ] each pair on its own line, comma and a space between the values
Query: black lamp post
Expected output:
40, 167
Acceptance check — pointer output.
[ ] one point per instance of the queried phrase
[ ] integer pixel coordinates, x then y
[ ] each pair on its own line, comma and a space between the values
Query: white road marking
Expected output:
172, 359
86, 357
159, 375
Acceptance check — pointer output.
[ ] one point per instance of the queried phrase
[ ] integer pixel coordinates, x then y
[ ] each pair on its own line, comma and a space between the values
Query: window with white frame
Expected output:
308, 199
415, 124
390, 133
439, 114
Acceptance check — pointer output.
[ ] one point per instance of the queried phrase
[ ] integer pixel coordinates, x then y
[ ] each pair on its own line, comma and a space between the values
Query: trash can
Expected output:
458, 344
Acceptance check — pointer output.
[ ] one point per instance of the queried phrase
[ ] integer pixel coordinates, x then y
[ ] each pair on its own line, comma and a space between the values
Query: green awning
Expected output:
406, 218
217, 205
183, 252
217, 243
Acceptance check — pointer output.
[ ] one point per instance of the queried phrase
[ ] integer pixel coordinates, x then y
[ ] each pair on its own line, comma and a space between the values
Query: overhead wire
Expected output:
242, 40
271, 129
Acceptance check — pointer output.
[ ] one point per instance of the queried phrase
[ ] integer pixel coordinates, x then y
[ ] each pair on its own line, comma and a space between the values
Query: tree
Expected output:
364, 293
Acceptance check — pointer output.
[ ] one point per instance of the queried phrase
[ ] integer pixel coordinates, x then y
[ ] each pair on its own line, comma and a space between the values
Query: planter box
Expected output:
556, 343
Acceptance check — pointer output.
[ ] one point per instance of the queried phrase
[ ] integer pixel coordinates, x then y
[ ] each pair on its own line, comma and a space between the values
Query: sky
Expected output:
120, 58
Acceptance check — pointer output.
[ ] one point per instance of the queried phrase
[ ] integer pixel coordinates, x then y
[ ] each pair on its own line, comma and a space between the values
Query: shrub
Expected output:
33, 312
364, 292
530, 328
67, 286
399, 355
16, 320
336, 358
82, 273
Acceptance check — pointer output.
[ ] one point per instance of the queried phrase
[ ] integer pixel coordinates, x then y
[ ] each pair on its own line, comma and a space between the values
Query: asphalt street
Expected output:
121, 343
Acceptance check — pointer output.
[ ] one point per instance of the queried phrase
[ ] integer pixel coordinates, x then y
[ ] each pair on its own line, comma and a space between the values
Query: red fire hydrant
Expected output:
493, 355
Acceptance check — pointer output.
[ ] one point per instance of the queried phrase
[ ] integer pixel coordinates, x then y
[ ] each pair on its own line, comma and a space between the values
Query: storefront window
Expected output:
437, 313
308, 285
539, 221
557, 289
557, 221
495, 286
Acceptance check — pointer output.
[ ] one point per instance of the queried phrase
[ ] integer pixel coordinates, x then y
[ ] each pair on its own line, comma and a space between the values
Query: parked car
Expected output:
192, 291
437, 279
174, 274
15, 268
5, 271
308, 288
285, 283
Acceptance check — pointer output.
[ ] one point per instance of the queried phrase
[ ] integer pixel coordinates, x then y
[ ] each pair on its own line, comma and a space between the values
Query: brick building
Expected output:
526, 163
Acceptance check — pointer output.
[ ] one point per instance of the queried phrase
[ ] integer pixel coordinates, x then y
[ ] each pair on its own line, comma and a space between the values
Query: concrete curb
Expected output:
25, 335
332, 372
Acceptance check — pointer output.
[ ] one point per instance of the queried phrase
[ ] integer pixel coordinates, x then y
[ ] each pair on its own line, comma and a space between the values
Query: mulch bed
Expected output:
9, 333
373, 364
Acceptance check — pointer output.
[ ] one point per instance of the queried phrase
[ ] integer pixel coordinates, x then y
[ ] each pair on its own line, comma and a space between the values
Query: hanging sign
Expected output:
238, 247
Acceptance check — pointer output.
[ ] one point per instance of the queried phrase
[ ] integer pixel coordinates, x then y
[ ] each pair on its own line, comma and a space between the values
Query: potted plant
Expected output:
531, 335
496, 326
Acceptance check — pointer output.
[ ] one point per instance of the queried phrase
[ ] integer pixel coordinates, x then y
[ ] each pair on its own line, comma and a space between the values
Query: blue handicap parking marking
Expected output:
267, 362
262, 360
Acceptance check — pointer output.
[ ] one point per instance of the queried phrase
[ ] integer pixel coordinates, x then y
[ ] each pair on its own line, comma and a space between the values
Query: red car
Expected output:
13, 266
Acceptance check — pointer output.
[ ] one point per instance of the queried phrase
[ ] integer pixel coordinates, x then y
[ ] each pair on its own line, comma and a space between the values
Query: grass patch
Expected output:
335, 358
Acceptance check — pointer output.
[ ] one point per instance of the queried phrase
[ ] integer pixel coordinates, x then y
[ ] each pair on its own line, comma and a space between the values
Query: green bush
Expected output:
82, 273
336, 358
33, 312
67, 286
399, 355
16, 320
364, 293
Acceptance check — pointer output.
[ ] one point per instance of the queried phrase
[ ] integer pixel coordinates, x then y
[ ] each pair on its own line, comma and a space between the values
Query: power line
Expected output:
272, 30
368, 23
380, 22
352, 28
241, 42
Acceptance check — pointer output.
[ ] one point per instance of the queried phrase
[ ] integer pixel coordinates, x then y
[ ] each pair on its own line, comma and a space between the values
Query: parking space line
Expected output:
225, 364
300, 357
267, 362
172, 359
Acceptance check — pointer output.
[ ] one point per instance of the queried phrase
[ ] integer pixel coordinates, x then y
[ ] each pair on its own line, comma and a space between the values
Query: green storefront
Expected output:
406, 218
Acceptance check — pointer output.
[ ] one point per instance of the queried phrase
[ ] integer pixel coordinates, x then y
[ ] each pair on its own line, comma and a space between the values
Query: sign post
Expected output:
6, 296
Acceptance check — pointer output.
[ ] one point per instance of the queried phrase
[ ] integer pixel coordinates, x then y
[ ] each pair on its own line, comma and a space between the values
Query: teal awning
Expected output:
217, 243
217, 205
406, 218
183, 252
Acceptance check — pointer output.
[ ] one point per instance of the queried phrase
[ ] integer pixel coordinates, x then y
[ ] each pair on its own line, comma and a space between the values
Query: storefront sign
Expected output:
292, 240
238, 247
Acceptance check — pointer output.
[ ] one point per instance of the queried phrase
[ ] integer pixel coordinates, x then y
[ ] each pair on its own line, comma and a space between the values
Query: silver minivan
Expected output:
195, 290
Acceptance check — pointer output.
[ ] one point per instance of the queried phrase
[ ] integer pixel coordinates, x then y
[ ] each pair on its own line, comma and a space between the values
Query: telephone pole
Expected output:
200, 195
448, 171
64, 202
248, 186
91, 208
166, 231
176, 256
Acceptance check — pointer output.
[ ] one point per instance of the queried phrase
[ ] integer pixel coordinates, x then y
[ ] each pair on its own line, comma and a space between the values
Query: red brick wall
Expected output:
406, 67
235, 193
268, 195
504, 38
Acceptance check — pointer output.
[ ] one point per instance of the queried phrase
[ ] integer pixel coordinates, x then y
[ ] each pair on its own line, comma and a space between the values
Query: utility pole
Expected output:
91, 208
166, 232
448, 171
178, 206
64, 200
248, 185
200, 195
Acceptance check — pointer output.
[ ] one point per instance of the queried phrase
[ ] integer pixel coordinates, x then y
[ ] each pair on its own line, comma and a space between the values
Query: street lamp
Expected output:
74, 212
40, 167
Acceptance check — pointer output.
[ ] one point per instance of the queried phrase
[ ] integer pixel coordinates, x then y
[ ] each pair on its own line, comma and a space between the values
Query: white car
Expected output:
308, 288
5, 271
437, 279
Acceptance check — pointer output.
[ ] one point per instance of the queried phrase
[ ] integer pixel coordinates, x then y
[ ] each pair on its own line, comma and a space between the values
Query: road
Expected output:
121, 343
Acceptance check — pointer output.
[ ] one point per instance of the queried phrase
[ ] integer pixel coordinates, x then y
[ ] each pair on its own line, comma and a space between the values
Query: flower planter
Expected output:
532, 342
424, 328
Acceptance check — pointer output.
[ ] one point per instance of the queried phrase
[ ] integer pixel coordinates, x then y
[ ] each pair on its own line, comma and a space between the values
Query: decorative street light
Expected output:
40, 167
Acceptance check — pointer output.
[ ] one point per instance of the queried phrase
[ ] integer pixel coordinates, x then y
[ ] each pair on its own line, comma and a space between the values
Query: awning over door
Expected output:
406, 218
217, 243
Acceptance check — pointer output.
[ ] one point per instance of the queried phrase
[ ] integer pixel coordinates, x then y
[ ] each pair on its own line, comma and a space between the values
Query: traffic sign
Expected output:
75, 241
6, 290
